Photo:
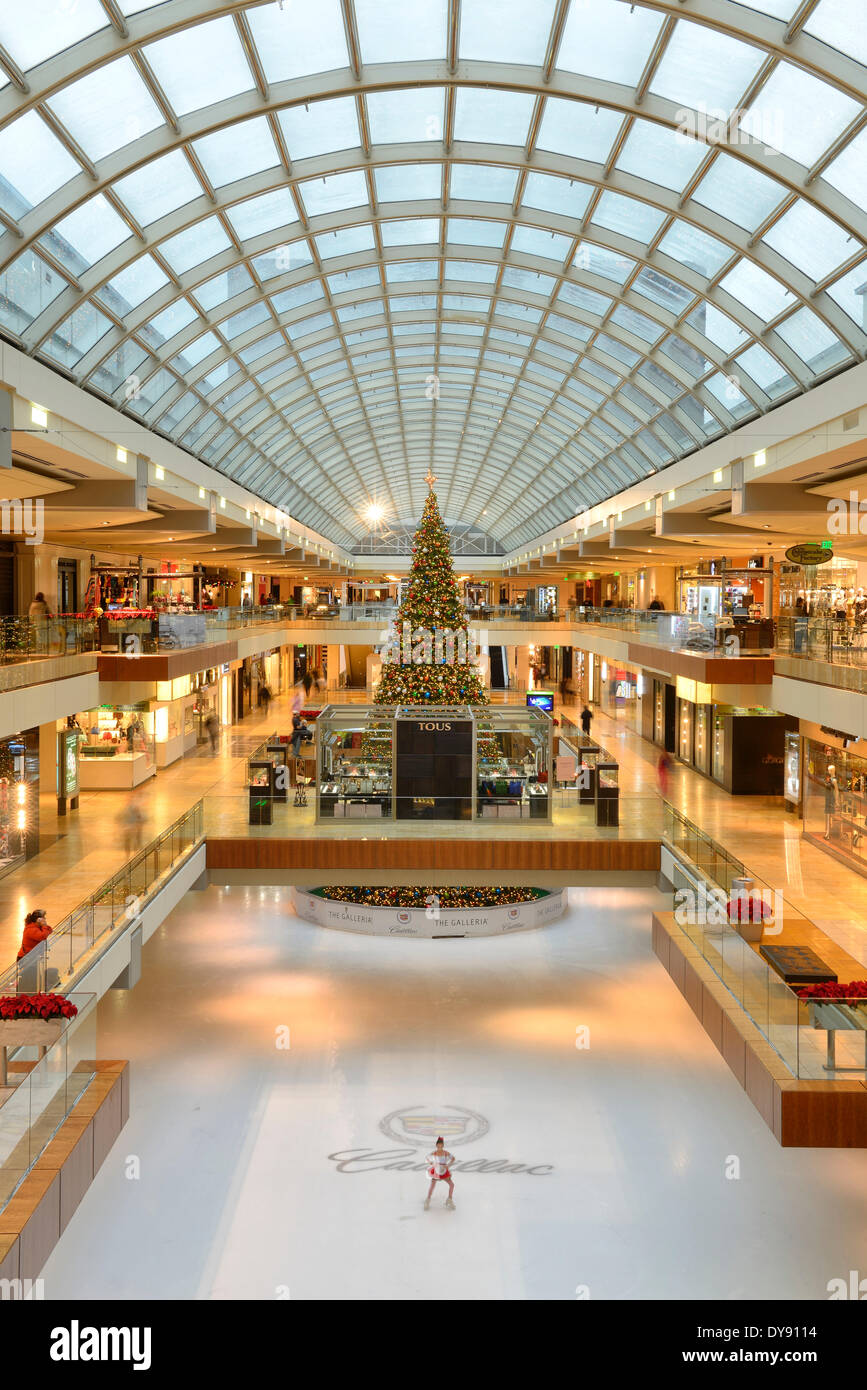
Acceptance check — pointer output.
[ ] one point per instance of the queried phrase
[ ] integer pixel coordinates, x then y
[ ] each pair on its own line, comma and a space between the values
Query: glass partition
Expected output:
43, 1086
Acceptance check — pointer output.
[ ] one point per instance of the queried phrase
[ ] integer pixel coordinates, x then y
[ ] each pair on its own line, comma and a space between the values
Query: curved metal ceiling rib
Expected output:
449, 247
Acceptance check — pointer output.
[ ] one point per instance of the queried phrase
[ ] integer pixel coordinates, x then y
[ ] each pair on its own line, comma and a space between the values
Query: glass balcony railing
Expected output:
90, 926
44, 1084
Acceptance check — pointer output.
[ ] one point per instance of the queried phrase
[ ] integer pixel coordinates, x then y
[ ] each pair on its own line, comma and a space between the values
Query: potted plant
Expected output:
835, 1005
28, 1020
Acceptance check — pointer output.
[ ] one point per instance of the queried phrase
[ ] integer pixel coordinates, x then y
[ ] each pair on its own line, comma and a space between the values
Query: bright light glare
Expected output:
374, 513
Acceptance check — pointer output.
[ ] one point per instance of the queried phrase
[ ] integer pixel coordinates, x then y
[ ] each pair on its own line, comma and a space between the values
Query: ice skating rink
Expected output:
240, 1139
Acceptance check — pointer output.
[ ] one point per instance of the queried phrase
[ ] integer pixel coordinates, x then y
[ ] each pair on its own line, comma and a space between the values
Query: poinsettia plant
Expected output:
40, 1006
832, 989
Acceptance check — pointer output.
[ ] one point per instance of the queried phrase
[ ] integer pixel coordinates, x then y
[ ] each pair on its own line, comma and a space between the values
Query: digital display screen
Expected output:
541, 699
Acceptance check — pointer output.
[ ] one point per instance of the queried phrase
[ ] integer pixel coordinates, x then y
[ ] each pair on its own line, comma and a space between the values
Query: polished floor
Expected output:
226, 1182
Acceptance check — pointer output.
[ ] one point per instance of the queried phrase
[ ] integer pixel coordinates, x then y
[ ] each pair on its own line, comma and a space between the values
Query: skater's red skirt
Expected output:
441, 1177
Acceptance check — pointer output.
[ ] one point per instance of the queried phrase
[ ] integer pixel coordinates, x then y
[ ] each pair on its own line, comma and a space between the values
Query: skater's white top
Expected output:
440, 1161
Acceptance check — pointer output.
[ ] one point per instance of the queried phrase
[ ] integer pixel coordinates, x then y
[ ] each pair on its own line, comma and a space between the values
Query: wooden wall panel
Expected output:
614, 856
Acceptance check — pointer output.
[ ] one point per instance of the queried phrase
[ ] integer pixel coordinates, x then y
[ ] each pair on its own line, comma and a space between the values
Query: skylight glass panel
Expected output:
195, 245
554, 194
293, 255
265, 214
576, 129
532, 241
33, 164
717, 327
410, 232
119, 367
346, 242
616, 349
613, 265
415, 270
257, 350
400, 303
172, 320
798, 114
473, 231
201, 65
392, 31
779, 9
584, 298
840, 24
159, 188
399, 183
222, 287
91, 231
363, 309
608, 40
850, 292
688, 358
239, 323
659, 378
531, 280
36, 31
628, 216
758, 290
560, 324
505, 31
320, 127
411, 113
638, 324
107, 109
334, 193
76, 335
152, 391
846, 172
663, 156
483, 183
314, 324
295, 298
299, 39
471, 270
739, 192
237, 151
813, 341
695, 249
810, 240
705, 69
765, 371
133, 285
667, 293
346, 280
469, 302
196, 352
492, 116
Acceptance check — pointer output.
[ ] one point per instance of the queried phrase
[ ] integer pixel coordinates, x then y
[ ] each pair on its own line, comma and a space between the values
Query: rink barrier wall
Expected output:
421, 922
38, 1213
800, 1114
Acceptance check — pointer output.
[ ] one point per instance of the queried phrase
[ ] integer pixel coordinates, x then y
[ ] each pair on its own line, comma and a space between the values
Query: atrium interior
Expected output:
415, 416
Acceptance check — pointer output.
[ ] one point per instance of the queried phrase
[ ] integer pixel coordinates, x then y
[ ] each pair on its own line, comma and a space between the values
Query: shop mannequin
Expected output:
831, 797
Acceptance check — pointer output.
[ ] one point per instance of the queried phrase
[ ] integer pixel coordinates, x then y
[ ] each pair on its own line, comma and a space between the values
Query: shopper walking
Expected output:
831, 790
265, 698
132, 822
307, 682
663, 773
212, 727
586, 720
439, 1171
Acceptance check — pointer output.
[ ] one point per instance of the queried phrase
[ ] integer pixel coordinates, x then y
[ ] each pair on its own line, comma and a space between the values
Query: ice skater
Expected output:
439, 1171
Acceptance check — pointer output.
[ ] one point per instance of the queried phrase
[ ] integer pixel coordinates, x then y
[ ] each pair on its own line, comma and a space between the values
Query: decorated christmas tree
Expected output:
428, 660
435, 675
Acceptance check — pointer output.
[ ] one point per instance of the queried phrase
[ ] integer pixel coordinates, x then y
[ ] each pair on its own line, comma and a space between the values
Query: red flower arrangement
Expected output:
44, 1006
856, 989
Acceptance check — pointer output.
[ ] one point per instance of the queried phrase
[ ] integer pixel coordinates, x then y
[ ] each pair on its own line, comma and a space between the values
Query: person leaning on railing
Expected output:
36, 930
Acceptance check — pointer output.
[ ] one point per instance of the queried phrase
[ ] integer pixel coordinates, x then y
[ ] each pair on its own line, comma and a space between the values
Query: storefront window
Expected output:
119, 748
719, 747
835, 801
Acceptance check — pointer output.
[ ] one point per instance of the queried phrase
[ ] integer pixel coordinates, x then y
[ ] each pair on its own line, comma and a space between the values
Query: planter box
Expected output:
30, 1032
830, 1014
750, 931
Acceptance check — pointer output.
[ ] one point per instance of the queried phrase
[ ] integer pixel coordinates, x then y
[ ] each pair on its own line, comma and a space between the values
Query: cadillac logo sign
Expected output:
421, 1125
403, 916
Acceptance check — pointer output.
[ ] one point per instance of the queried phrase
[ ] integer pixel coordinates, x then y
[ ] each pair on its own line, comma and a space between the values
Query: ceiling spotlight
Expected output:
374, 513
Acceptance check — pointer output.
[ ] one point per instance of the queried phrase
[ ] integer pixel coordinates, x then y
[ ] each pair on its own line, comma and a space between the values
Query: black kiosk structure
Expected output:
433, 762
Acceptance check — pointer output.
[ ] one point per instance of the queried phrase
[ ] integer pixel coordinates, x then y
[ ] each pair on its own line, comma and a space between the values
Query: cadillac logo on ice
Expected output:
421, 1125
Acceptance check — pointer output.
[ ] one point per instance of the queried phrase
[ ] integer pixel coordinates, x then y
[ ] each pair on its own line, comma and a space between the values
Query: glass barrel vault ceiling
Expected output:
546, 247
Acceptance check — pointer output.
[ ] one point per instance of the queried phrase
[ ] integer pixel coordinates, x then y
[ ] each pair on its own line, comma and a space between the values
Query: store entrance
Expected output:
67, 586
